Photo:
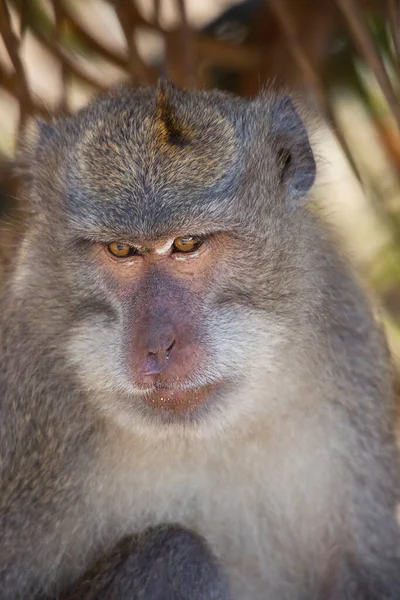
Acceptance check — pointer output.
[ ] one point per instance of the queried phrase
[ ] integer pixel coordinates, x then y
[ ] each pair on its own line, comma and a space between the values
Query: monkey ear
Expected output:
34, 135
31, 159
35, 132
293, 151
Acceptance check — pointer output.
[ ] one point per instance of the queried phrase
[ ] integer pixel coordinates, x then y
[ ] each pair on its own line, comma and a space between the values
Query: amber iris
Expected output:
120, 250
187, 244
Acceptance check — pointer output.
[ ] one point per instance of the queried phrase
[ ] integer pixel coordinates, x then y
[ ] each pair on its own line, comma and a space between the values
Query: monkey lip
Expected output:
178, 400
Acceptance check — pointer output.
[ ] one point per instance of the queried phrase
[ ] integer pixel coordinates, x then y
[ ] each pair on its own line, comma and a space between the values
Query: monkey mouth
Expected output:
177, 399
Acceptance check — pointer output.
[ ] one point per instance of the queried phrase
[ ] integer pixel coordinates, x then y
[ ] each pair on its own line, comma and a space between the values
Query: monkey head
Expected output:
174, 224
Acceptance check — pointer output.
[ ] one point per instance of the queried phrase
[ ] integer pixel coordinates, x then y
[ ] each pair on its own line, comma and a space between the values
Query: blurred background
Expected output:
341, 57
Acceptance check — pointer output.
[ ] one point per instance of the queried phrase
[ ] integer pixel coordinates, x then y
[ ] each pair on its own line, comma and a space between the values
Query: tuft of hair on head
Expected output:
172, 131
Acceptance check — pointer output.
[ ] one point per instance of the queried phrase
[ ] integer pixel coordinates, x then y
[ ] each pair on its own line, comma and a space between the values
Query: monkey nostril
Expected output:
156, 359
169, 349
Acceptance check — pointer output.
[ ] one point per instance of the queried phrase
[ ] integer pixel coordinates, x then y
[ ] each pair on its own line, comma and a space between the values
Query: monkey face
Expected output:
175, 216
162, 288
181, 333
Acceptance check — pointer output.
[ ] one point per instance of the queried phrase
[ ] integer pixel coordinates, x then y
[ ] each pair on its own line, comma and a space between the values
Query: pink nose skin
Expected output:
165, 369
164, 355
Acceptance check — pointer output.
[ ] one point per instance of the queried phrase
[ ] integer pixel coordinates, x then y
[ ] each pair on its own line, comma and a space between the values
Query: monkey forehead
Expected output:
129, 150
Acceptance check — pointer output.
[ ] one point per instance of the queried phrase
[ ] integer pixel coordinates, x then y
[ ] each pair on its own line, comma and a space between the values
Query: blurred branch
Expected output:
283, 17
73, 68
353, 17
204, 47
88, 40
225, 54
128, 18
187, 46
23, 23
12, 44
60, 22
59, 51
157, 12
394, 21
10, 83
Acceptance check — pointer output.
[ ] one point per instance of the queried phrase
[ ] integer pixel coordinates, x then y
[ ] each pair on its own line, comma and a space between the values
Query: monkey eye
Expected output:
120, 250
187, 244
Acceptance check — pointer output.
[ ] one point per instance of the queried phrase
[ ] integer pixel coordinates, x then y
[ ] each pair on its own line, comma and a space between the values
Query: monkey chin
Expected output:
179, 402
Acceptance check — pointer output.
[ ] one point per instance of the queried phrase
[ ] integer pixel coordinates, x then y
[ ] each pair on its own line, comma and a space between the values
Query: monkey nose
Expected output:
157, 358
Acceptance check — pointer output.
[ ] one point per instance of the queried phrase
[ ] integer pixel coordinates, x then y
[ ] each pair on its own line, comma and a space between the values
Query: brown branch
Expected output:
188, 55
60, 22
69, 64
222, 53
87, 40
157, 24
216, 51
59, 52
285, 21
310, 75
157, 11
21, 6
9, 82
394, 22
74, 69
126, 15
12, 44
353, 17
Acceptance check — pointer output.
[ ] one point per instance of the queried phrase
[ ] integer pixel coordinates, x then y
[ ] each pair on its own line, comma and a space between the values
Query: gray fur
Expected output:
291, 474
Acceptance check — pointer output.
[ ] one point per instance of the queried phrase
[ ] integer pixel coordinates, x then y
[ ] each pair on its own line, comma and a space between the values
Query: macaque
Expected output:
196, 400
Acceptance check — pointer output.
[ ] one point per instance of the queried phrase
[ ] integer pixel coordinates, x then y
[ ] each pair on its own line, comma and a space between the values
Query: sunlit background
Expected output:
340, 56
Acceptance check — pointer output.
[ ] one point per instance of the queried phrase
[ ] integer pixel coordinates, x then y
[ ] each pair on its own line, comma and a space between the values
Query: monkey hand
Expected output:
166, 562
